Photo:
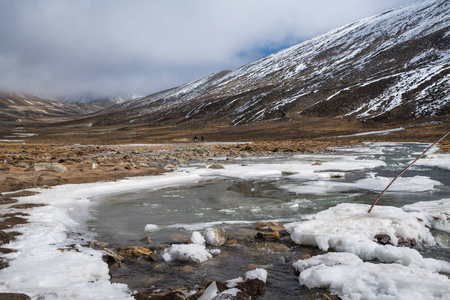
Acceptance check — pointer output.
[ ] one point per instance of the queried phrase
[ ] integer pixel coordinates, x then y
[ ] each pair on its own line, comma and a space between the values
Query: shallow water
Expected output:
237, 201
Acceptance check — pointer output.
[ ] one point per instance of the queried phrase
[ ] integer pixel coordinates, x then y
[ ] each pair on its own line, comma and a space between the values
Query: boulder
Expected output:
43, 166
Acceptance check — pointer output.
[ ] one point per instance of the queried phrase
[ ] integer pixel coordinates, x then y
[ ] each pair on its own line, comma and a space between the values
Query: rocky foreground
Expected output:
24, 166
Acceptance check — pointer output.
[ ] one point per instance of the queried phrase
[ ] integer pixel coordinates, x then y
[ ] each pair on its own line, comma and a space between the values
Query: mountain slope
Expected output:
19, 108
392, 66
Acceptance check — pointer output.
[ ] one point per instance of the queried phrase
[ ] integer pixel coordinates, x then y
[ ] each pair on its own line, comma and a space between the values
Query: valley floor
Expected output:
88, 154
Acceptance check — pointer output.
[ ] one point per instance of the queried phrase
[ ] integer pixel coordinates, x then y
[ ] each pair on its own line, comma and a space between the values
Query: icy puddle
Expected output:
322, 200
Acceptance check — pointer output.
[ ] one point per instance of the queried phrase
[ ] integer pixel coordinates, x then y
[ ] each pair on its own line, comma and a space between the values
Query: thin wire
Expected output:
401, 173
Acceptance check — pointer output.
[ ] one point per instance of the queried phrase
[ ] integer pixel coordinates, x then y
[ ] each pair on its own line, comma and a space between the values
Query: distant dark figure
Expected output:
195, 139
202, 139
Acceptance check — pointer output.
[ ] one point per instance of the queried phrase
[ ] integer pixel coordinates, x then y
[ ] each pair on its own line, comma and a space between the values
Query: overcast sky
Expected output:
64, 47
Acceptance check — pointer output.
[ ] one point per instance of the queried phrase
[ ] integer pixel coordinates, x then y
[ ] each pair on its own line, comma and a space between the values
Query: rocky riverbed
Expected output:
25, 166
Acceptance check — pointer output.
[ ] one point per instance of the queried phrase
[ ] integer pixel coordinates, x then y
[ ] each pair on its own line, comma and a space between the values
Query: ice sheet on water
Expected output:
435, 160
298, 167
372, 183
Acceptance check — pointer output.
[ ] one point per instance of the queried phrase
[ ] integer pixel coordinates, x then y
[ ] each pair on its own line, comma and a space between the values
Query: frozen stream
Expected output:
247, 191
322, 199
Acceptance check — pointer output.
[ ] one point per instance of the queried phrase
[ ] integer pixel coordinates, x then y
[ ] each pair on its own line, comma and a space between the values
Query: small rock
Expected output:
306, 256
23, 165
403, 242
55, 167
273, 235
135, 251
215, 236
317, 163
146, 240
4, 238
98, 245
288, 173
383, 239
216, 166
252, 287
112, 258
272, 226
155, 257
177, 295
272, 247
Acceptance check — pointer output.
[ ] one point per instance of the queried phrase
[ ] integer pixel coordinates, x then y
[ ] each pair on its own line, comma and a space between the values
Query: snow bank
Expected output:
349, 228
45, 266
347, 276
436, 214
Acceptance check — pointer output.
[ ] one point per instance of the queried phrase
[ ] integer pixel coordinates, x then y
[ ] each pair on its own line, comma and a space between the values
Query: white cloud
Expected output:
64, 46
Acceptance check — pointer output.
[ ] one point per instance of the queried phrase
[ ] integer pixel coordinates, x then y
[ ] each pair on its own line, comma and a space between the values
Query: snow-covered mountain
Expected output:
106, 100
395, 65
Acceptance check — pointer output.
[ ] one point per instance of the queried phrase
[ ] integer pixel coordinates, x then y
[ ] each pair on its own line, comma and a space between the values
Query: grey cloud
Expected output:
55, 47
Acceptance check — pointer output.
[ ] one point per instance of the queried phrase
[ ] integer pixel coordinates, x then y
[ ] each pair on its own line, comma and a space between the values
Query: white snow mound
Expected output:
188, 253
349, 228
347, 276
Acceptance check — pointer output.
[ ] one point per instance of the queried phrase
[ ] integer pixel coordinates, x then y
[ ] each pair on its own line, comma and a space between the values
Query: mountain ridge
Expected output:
17, 108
